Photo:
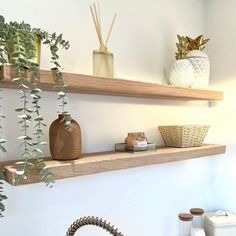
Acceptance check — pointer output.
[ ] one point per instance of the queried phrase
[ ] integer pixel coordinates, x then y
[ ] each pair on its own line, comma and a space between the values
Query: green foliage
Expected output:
17, 41
55, 42
2, 149
2, 196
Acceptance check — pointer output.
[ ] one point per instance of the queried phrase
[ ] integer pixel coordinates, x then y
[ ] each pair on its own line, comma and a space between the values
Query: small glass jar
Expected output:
103, 63
185, 224
136, 140
198, 222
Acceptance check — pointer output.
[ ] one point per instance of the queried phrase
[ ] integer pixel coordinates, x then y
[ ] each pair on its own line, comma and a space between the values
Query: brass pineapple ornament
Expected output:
186, 44
182, 47
181, 73
192, 66
197, 43
199, 61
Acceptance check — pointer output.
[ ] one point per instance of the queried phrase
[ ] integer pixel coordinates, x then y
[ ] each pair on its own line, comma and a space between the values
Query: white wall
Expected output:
141, 201
220, 27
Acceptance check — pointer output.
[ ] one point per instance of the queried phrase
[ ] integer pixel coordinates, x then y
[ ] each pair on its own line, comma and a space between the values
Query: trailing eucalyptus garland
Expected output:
17, 41
55, 42
20, 46
2, 149
2, 141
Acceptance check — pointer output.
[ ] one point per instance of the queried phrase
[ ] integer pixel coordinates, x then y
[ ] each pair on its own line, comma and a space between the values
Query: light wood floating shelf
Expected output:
108, 161
88, 84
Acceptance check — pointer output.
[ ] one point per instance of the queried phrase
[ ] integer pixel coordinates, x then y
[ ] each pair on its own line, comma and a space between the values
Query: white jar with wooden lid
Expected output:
185, 224
198, 222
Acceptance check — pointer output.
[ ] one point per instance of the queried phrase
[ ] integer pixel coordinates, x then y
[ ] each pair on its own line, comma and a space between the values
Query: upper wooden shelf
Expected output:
107, 161
88, 84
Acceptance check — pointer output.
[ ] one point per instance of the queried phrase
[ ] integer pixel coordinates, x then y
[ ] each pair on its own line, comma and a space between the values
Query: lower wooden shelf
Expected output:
108, 161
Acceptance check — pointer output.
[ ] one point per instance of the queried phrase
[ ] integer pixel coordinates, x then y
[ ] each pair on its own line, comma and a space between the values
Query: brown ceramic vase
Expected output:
65, 144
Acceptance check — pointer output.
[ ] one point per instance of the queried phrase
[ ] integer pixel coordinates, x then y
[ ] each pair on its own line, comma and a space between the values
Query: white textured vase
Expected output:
181, 73
201, 65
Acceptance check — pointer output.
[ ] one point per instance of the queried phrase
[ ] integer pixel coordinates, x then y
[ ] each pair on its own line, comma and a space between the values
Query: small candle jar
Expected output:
185, 224
136, 139
103, 62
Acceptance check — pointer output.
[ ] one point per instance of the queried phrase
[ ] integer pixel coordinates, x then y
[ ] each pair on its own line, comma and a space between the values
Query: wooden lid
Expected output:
185, 217
197, 211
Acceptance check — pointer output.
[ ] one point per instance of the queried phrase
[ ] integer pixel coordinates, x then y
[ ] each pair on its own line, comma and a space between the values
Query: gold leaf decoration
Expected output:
182, 47
197, 43
186, 44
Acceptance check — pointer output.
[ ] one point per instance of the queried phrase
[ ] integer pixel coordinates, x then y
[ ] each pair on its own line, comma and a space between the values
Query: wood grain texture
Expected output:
108, 161
88, 84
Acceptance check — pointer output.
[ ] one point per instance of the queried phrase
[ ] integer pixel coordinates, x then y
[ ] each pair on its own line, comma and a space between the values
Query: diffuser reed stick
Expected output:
96, 26
108, 36
96, 16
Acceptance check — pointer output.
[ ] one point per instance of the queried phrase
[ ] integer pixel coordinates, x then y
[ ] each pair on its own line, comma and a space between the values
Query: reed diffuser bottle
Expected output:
103, 60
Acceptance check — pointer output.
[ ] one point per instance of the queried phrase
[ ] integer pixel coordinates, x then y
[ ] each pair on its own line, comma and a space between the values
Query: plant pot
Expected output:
65, 144
103, 63
37, 53
201, 66
181, 73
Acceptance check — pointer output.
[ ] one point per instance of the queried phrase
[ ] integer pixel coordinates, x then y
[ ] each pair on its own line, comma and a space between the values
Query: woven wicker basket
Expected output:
184, 135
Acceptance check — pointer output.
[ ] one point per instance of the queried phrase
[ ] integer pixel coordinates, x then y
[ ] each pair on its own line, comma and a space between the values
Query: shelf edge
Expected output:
110, 161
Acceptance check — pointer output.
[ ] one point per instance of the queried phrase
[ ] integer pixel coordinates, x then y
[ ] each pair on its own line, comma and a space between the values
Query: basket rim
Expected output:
187, 126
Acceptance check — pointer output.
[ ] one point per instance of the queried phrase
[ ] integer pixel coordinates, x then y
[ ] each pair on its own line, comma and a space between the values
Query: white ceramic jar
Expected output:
181, 73
201, 66
198, 222
185, 224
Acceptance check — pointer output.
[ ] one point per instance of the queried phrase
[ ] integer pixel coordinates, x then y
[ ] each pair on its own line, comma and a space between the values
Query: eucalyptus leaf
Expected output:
2, 207
20, 172
43, 143
16, 79
3, 197
22, 137
29, 165
3, 149
19, 109
2, 140
3, 60
24, 116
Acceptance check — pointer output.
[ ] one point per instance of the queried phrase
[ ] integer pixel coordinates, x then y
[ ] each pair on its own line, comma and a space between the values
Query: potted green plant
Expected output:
2, 149
20, 44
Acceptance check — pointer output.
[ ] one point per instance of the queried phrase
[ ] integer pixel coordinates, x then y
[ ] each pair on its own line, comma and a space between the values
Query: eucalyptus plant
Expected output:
55, 42
2, 196
18, 40
19, 44
2, 141
2, 149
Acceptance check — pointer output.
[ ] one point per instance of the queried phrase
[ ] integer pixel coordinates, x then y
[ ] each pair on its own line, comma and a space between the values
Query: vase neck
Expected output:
67, 116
